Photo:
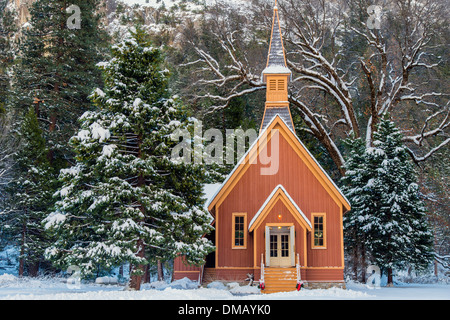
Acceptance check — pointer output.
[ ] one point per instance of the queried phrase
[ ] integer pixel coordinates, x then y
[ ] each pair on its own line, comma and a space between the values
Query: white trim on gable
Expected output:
268, 200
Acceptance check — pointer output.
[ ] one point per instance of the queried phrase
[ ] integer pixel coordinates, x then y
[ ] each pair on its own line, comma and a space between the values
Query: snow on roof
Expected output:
276, 69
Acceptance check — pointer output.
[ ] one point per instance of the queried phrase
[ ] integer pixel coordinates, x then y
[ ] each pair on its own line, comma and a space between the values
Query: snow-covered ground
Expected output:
13, 288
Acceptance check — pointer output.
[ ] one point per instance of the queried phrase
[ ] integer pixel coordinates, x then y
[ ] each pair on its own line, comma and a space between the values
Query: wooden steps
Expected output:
279, 280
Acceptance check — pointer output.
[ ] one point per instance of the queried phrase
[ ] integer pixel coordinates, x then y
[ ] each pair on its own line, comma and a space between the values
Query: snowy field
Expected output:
13, 288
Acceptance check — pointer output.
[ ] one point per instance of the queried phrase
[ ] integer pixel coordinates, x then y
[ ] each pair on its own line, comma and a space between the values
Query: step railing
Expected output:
261, 278
299, 276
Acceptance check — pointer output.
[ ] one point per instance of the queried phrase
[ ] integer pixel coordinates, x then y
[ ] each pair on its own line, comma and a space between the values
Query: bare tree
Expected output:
404, 55
347, 73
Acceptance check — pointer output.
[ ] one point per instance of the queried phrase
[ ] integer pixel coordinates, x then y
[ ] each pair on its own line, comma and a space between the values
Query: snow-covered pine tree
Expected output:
388, 220
56, 69
354, 186
33, 188
399, 233
7, 30
125, 199
7, 53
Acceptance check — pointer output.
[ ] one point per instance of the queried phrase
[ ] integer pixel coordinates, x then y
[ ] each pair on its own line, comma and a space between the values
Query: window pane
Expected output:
284, 245
273, 246
239, 231
318, 231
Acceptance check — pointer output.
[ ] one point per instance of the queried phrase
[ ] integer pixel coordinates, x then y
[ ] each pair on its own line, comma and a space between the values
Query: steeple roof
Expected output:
276, 75
283, 112
276, 60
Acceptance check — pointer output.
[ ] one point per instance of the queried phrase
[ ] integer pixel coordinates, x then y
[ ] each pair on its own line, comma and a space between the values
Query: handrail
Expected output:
261, 279
299, 276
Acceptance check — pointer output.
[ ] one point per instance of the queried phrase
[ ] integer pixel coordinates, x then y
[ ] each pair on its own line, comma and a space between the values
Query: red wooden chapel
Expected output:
281, 224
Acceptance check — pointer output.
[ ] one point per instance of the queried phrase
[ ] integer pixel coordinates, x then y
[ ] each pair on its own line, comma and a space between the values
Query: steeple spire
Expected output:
276, 76
276, 57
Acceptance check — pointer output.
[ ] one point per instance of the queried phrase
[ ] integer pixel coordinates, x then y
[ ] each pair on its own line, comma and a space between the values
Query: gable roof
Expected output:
252, 152
277, 193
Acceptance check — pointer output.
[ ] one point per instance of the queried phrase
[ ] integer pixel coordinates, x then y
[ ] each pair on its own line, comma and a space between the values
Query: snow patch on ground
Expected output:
14, 288
6, 279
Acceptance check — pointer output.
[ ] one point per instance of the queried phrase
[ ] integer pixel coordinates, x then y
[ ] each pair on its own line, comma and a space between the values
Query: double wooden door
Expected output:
280, 253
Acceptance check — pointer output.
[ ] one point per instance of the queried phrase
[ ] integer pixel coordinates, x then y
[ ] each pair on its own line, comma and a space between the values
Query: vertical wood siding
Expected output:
252, 190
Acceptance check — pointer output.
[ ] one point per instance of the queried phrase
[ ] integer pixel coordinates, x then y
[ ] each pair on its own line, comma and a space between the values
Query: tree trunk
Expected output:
22, 251
435, 267
33, 269
147, 274
363, 263
355, 258
355, 264
50, 153
160, 271
390, 283
137, 271
171, 274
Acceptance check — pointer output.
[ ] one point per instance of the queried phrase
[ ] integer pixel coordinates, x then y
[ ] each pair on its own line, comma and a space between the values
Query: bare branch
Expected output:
418, 159
228, 98
417, 139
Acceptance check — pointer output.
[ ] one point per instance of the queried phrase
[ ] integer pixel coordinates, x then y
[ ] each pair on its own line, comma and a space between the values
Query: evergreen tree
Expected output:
57, 69
54, 72
33, 189
7, 29
125, 200
354, 186
388, 218
399, 228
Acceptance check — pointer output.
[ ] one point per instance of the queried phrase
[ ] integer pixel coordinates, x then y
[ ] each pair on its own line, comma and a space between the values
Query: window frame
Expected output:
324, 230
233, 232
